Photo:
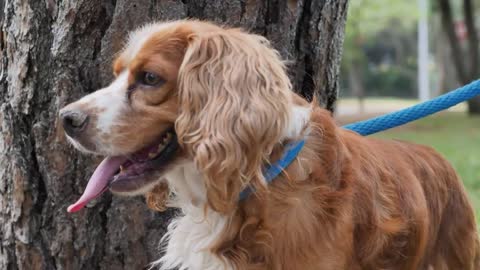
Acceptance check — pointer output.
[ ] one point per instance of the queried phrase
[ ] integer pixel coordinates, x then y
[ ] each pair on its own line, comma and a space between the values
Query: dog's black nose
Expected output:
74, 122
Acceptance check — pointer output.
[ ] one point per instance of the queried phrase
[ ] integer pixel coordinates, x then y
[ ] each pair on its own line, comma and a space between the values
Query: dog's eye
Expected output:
150, 79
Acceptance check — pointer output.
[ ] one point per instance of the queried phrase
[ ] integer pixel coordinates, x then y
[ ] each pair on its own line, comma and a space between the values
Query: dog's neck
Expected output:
192, 235
186, 182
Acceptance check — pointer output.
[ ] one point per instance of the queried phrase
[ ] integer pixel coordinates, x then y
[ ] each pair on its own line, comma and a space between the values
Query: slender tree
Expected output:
52, 53
465, 56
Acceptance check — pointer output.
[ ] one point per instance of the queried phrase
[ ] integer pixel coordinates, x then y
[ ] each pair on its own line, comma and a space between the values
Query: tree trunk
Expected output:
467, 64
52, 53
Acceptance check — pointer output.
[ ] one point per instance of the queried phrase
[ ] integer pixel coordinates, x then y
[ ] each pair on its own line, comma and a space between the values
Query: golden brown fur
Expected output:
346, 202
226, 78
359, 203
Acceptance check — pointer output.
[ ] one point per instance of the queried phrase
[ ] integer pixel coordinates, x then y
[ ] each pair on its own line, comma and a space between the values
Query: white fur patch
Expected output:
110, 102
298, 120
190, 235
189, 239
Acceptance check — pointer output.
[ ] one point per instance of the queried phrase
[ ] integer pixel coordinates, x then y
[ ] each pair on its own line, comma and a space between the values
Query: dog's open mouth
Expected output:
123, 174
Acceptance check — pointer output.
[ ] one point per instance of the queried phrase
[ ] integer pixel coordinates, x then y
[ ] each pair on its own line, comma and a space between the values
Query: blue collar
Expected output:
272, 171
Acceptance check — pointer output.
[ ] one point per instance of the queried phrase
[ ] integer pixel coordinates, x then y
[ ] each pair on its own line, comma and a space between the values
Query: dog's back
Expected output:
411, 208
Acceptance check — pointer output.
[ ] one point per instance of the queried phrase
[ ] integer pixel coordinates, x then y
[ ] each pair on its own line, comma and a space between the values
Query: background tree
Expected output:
464, 46
53, 52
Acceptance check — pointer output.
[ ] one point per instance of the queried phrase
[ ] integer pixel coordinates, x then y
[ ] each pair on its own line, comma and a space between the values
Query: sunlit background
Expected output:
400, 52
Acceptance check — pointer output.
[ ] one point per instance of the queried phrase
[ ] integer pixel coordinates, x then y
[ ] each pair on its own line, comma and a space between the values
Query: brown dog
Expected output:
206, 108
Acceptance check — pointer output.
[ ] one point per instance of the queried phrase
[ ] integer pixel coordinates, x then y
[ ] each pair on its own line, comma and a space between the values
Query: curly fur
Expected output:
234, 94
346, 202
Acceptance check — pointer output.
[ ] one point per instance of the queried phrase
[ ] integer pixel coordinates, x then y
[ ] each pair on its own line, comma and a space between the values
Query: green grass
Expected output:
378, 100
457, 137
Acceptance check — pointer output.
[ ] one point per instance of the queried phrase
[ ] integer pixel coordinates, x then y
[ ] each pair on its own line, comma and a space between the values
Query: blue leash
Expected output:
375, 125
415, 112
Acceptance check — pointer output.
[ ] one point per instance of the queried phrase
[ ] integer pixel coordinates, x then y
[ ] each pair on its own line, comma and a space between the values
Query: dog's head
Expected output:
185, 90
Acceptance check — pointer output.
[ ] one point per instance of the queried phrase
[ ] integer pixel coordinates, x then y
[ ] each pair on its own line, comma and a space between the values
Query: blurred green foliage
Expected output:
368, 17
390, 81
380, 43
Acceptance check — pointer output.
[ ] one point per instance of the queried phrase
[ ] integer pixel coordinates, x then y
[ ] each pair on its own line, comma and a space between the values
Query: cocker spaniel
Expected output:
194, 115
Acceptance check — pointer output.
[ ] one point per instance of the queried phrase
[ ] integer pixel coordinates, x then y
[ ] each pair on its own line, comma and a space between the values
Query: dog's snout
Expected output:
74, 121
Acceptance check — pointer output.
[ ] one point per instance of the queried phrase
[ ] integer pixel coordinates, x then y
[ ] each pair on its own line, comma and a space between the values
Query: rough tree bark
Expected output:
52, 53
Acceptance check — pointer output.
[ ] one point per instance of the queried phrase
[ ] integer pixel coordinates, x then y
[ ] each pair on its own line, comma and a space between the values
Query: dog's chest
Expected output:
189, 238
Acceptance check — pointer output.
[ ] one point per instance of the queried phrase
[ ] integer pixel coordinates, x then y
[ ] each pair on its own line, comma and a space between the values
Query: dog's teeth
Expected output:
160, 148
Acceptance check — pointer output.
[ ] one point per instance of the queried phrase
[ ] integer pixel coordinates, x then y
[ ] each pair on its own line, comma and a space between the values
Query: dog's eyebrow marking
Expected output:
137, 39
118, 66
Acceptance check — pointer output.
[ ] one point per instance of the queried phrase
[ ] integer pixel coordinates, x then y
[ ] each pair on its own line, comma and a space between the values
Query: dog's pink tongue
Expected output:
98, 182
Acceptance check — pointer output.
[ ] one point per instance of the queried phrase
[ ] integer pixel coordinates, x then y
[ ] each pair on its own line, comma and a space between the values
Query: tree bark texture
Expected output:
52, 53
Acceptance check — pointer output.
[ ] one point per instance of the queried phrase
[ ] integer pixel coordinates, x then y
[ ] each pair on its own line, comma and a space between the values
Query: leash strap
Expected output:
415, 112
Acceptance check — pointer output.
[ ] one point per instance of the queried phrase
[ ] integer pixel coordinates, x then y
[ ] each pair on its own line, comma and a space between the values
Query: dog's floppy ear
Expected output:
234, 105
